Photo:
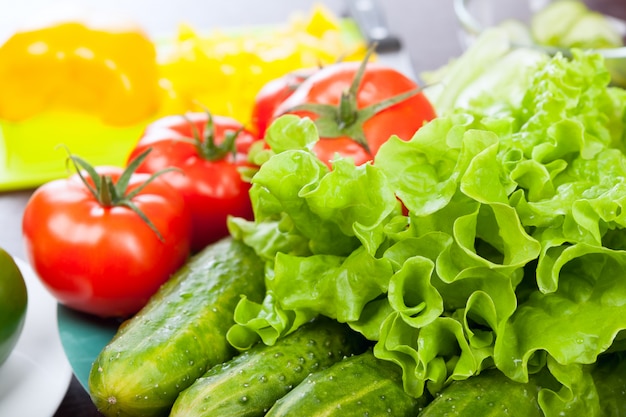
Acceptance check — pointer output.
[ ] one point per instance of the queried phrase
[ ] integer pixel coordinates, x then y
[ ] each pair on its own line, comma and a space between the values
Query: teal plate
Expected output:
83, 336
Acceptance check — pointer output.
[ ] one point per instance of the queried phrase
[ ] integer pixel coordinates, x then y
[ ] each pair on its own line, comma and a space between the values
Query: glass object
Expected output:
552, 25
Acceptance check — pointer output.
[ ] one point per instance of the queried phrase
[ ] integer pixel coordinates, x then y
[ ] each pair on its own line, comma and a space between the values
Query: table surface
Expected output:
427, 28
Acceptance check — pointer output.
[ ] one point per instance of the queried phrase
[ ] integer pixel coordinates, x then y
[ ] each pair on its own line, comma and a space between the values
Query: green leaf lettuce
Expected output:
490, 239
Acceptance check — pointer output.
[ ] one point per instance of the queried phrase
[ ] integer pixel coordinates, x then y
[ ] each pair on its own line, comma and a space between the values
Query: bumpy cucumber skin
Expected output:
178, 335
360, 385
488, 394
252, 382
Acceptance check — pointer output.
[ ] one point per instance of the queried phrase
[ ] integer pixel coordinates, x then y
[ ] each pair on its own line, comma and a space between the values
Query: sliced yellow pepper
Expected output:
224, 70
109, 70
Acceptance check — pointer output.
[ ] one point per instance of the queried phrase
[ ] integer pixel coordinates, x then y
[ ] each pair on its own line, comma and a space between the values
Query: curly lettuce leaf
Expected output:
577, 394
576, 314
336, 287
489, 239
491, 74
265, 321
297, 195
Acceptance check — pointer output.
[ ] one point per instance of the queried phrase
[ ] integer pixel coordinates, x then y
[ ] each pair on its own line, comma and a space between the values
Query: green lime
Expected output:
13, 304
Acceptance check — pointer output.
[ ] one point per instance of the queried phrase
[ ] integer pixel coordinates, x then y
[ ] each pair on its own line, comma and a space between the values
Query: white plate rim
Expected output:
35, 377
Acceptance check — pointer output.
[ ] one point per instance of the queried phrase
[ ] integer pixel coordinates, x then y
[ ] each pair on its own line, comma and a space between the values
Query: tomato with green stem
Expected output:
272, 94
209, 154
357, 107
105, 239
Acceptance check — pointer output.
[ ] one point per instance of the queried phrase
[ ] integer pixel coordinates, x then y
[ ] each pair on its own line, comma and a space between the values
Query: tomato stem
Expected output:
346, 119
111, 194
347, 112
206, 146
106, 194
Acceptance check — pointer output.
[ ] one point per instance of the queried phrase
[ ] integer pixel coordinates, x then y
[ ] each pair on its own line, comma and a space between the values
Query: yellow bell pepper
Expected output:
108, 69
224, 70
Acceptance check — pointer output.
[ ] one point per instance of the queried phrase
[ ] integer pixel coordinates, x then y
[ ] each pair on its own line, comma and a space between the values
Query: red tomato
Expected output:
274, 93
342, 100
105, 259
207, 176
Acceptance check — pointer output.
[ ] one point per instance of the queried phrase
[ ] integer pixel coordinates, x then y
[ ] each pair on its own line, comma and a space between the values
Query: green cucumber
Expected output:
178, 335
359, 385
249, 384
487, 394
